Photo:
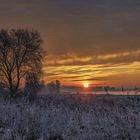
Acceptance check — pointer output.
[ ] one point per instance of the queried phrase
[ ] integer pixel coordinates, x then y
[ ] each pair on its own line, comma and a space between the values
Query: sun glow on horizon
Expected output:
85, 85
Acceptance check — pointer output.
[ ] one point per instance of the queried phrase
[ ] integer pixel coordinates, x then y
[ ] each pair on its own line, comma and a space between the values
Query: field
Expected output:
71, 117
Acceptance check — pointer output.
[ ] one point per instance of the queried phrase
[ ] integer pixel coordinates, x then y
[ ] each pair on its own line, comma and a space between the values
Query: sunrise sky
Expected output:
94, 41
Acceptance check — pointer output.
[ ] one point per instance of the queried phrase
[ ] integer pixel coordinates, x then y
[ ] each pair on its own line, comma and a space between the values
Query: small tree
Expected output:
32, 85
58, 86
20, 53
51, 87
54, 87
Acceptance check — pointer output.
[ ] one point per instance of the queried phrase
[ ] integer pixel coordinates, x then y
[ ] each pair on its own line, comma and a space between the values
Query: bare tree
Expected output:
51, 87
54, 87
32, 85
20, 53
58, 86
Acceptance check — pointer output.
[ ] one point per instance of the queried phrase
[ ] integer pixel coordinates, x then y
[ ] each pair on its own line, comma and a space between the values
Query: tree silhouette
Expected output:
32, 85
58, 86
54, 87
20, 53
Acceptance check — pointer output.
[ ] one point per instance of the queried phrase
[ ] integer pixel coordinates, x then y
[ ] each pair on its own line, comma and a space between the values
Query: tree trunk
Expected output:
11, 93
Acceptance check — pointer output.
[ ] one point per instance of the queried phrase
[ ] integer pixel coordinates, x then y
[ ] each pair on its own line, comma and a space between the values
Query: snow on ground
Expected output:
71, 117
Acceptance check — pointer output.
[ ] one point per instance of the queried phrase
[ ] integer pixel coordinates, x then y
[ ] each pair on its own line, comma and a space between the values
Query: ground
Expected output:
71, 117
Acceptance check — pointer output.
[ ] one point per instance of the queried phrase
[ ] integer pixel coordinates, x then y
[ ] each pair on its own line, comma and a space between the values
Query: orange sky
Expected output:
96, 75
86, 40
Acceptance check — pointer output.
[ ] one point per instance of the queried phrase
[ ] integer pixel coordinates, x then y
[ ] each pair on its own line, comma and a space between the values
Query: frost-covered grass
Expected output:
71, 117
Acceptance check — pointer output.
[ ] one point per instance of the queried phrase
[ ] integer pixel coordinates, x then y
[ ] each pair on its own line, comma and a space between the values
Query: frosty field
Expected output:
71, 117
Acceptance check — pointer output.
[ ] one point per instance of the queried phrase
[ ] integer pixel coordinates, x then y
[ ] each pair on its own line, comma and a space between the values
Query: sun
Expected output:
85, 85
